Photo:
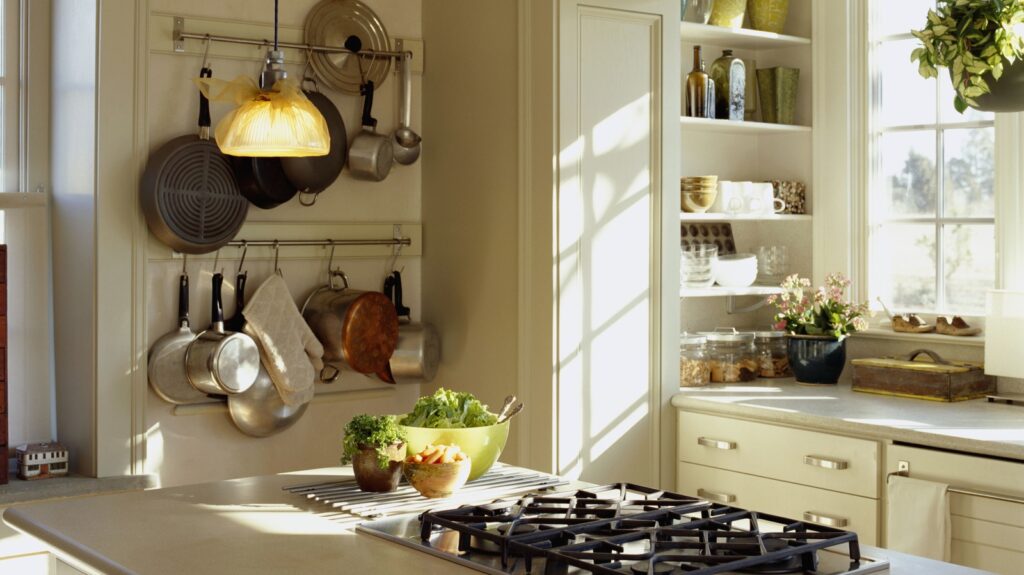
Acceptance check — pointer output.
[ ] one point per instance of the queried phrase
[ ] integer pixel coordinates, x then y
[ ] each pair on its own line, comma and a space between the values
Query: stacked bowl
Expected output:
697, 193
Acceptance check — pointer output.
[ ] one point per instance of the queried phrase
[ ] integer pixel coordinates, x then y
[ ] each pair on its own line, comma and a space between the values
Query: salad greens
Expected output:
447, 408
377, 432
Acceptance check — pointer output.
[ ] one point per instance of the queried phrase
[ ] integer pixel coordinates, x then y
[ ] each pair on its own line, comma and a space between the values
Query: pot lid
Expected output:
772, 334
686, 338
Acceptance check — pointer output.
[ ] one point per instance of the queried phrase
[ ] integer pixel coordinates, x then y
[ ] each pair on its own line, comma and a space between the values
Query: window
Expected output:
57, 466
931, 196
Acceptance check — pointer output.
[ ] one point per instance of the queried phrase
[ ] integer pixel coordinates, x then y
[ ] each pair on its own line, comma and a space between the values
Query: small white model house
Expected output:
42, 460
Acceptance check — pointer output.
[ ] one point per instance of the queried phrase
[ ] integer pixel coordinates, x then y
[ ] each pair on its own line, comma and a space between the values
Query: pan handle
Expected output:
204, 108
183, 301
329, 374
401, 309
216, 307
367, 91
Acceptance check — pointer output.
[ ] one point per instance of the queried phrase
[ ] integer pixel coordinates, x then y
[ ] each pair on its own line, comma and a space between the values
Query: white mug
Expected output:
760, 199
729, 199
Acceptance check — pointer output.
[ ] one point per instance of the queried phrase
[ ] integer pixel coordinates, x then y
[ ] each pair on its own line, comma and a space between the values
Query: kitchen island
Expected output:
248, 526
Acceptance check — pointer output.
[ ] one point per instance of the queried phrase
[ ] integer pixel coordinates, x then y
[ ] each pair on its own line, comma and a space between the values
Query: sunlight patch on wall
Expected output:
627, 126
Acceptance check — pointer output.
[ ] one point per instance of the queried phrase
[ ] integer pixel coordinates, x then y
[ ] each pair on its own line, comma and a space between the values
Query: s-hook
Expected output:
206, 51
277, 254
241, 262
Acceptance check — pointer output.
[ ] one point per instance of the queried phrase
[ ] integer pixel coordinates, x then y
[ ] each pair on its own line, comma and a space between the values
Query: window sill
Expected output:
21, 491
877, 333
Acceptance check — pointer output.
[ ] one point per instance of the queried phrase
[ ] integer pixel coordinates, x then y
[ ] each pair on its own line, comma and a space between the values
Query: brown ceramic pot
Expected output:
370, 476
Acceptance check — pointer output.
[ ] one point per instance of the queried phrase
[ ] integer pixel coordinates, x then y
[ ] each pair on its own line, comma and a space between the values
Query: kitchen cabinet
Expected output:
820, 477
550, 211
985, 503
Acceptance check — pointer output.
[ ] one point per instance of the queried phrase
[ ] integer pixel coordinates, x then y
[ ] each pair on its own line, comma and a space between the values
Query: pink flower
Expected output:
780, 325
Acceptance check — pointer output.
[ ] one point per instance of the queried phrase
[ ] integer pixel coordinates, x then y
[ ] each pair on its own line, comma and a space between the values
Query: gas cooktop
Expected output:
624, 529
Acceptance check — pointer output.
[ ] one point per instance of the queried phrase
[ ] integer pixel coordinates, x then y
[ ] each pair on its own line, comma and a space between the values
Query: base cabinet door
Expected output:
830, 508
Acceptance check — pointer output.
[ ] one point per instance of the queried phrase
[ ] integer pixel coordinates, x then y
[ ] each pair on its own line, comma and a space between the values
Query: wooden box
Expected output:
937, 379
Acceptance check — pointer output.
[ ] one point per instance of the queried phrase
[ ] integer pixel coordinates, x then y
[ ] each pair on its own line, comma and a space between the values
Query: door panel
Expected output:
609, 195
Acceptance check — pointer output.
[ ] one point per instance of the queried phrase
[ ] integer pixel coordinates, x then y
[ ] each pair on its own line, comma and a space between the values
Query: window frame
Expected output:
870, 98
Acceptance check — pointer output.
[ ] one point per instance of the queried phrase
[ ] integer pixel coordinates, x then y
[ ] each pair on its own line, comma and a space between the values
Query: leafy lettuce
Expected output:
447, 408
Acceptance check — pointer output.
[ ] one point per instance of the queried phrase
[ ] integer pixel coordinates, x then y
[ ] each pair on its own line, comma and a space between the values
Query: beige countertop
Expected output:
248, 526
977, 426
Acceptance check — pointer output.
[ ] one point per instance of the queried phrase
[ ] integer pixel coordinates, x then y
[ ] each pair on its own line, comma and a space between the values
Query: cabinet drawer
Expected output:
807, 457
781, 498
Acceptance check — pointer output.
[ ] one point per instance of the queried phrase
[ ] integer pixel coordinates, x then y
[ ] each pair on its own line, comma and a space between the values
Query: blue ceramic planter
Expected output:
816, 359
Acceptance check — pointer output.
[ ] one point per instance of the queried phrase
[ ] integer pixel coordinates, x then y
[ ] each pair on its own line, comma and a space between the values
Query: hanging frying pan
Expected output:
262, 181
312, 175
188, 193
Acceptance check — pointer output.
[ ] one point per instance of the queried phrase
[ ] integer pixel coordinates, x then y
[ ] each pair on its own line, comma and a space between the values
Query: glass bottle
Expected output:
700, 90
729, 76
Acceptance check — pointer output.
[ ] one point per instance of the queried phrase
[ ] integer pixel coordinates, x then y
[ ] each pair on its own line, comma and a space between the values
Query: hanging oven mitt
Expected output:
290, 351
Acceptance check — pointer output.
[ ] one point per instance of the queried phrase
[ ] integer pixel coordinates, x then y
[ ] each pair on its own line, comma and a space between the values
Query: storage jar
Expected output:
772, 359
694, 369
731, 355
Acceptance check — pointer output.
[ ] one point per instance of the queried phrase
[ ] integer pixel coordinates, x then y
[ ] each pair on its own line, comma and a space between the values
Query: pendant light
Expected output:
278, 121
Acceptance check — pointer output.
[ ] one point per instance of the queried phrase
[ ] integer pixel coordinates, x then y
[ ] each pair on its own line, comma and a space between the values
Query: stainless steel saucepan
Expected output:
220, 362
371, 155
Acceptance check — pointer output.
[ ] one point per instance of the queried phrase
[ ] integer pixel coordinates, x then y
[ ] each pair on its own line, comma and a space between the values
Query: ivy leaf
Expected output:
959, 104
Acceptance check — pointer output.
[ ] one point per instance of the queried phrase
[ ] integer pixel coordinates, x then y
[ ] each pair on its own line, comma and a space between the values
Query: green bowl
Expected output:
483, 445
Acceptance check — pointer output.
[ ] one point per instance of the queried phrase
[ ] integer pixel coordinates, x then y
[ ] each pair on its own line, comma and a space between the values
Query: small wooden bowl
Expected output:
437, 479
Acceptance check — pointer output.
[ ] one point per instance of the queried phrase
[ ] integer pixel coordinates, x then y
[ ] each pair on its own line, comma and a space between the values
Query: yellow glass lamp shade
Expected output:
274, 124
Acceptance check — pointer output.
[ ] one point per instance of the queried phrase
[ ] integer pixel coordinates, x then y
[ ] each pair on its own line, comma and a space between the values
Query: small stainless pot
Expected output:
371, 155
219, 362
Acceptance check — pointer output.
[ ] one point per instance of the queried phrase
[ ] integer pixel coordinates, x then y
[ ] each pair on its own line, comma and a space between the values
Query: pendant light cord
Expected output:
275, 24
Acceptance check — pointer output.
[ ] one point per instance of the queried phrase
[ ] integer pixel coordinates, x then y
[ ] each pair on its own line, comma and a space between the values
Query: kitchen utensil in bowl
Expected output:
189, 195
166, 364
405, 142
371, 155
435, 480
735, 270
512, 412
483, 444
220, 362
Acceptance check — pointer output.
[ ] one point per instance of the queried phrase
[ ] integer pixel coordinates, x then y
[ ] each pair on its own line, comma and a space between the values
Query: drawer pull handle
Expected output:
716, 443
826, 520
825, 462
713, 496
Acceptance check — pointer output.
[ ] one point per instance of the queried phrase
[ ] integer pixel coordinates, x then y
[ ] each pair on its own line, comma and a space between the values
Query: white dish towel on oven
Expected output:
917, 517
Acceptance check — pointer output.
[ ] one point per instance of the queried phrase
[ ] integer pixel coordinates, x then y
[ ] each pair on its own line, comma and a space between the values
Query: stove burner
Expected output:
643, 568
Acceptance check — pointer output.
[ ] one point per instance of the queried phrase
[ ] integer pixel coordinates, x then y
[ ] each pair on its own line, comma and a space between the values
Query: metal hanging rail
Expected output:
320, 243
180, 35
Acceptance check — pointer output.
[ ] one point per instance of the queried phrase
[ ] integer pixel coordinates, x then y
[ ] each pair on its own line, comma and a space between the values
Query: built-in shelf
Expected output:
687, 217
737, 38
736, 127
719, 291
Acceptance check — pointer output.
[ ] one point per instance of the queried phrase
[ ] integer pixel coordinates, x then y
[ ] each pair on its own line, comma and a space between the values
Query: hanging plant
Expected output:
977, 40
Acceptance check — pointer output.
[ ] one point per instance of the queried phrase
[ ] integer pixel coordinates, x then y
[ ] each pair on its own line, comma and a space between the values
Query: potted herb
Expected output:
981, 43
817, 323
375, 445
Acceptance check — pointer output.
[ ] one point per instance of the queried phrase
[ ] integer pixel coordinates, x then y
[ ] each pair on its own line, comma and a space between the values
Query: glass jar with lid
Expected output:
772, 358
731, 355
694, 369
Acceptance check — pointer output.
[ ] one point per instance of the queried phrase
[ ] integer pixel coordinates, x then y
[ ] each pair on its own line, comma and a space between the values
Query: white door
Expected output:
609, 236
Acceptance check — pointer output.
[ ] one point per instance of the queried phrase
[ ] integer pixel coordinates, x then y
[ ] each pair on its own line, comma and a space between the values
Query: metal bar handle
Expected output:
903, 470
716, 496
826, 520
716, 443
182, 35
825, 462
317, 243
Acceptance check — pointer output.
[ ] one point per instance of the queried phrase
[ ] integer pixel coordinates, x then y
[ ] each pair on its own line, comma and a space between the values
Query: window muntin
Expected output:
931, 196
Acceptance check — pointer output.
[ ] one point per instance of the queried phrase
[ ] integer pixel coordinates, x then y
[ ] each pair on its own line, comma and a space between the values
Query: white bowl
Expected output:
735, 270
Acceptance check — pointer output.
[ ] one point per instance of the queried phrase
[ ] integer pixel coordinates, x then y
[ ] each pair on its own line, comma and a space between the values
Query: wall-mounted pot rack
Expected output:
180, 35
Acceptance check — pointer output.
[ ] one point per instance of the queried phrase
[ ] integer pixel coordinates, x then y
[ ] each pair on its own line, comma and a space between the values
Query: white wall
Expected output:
204, 444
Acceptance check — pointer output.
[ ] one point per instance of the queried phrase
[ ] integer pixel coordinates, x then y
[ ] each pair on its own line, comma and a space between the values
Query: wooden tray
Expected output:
936, 380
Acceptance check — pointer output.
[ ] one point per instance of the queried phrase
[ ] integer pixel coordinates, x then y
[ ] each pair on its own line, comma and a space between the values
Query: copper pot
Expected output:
358, 329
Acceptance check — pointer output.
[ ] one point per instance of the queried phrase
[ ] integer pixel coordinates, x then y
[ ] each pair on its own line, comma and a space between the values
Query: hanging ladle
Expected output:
404, 141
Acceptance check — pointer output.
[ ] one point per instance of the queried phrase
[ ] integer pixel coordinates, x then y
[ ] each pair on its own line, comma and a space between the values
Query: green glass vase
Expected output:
768, 15
728, 13
777, 89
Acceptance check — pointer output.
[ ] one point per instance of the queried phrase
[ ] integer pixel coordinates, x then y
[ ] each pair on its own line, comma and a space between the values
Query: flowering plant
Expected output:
824, 311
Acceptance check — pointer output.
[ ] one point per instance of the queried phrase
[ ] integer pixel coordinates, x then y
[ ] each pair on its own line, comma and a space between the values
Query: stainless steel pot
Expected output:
371, 155
358, 329
418, 351
220, 362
